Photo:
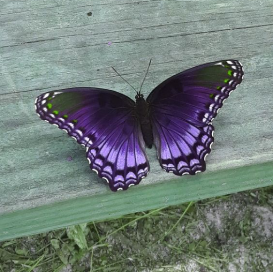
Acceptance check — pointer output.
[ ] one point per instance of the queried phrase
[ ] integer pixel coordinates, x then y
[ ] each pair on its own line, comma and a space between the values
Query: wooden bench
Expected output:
45, 180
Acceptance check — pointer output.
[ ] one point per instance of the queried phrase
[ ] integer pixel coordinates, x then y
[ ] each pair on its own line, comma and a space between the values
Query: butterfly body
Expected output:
144, 119
176, 117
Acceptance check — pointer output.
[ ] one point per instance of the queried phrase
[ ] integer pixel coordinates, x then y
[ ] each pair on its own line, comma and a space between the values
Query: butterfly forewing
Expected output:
182, 108
105, 123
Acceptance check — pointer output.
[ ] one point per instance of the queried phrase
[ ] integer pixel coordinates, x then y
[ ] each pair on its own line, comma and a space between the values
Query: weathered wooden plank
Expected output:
46, 45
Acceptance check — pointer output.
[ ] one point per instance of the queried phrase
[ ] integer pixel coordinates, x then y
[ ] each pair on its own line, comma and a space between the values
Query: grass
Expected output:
230, 233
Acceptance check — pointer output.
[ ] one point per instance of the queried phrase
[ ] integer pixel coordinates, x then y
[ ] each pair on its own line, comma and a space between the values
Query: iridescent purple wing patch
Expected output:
176, 117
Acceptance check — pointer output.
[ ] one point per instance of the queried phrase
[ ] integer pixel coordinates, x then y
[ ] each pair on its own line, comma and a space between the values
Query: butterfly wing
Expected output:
105, 123
182, 109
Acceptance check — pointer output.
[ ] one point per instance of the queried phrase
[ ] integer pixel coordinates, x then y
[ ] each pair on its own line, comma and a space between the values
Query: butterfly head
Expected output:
139, 96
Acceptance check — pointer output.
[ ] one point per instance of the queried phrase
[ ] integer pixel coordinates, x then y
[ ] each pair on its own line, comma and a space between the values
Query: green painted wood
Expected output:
109, 205
47, 45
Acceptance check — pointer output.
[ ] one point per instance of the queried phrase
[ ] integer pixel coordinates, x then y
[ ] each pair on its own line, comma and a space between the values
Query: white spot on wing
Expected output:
79, 132
107, 179
71, 125
211, 107
89, 161
96, 171
46, 95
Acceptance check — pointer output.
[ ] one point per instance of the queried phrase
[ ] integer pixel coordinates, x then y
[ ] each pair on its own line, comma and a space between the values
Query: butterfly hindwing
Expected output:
104, 122
182, 147
182, 109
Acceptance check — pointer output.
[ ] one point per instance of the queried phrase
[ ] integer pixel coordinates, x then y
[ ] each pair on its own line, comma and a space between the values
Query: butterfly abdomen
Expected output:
143, 116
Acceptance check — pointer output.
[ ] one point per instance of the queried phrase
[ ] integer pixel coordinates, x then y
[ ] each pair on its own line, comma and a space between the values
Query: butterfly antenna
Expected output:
123, 79
145, 75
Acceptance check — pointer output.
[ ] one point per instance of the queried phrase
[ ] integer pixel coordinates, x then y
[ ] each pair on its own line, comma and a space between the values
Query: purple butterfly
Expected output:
176, 117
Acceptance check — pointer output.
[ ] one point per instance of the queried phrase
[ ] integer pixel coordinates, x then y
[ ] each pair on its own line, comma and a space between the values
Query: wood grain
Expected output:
48, 45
